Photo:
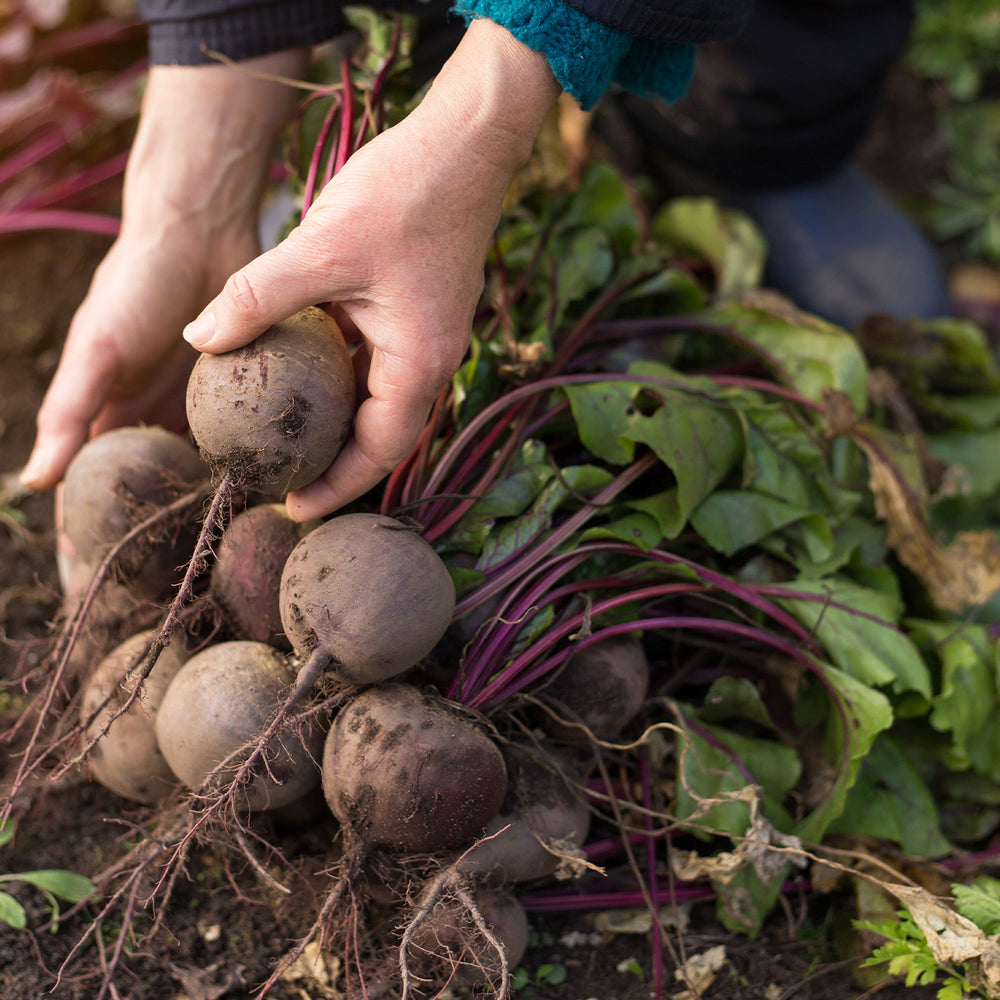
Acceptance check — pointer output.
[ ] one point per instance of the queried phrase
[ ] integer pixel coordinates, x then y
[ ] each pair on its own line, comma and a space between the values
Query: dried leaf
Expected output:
954, 939
964, 573
756, 849
698, 972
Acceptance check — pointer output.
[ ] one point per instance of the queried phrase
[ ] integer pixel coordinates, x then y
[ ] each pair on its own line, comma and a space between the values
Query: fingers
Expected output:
75, 396
297, 273
386, 428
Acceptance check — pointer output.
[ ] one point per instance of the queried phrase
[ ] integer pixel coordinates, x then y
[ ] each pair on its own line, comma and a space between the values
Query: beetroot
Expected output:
222, 699
368, 593
127, 758
603, 686
410, 770
542, 817
272, 416
247, 572
115, 482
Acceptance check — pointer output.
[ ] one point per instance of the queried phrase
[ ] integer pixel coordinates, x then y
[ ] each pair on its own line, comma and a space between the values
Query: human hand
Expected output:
189, 220
397, 241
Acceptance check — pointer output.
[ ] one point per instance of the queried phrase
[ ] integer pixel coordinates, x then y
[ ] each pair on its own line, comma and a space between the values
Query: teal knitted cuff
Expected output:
585, 56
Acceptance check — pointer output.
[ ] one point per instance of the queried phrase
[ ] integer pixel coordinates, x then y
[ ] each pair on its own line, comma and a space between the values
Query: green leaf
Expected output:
730, 520
714, 764
12, 912
584, 262
518, 533
602, 202
786, 460
804, 352
856, 714
858, 628
973, 454
727, 238
62, 884
736, 698
891, 801
637, 529
7, 832
696, 436
665, 509
980, 903
968, 689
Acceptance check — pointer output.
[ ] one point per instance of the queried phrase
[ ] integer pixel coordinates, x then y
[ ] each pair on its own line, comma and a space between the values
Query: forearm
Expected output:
205, 140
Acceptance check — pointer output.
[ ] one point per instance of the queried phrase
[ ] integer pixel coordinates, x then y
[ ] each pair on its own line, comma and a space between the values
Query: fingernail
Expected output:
201, 329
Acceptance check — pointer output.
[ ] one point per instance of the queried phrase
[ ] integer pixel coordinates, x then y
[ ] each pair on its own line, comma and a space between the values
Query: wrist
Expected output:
493, 96
205, 141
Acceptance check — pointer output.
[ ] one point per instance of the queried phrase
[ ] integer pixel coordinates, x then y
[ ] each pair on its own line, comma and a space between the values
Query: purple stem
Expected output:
70, 186
15, 165
82, 222
516, 675
309, 192
103, 32
561, 901
652, 884
515, 570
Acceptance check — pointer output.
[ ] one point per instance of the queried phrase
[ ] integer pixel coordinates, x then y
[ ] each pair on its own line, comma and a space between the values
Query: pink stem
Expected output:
81, 222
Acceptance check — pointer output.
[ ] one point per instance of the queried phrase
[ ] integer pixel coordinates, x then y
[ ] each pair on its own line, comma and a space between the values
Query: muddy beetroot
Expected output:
368, 593
410, 770
272, 415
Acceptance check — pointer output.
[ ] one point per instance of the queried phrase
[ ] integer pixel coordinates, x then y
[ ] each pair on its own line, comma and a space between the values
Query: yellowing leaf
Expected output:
959, 575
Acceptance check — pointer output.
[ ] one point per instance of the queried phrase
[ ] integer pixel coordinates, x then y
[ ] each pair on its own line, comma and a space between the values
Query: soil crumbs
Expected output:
221, 932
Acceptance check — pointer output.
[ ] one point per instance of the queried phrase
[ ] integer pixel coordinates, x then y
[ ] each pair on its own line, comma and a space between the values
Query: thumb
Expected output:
272, 287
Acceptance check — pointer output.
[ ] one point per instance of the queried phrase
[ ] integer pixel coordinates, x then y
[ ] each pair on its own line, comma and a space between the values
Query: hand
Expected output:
398, 240
189, 220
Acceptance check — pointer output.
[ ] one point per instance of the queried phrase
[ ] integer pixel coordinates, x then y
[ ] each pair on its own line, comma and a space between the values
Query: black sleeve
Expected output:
691, 21
181, 30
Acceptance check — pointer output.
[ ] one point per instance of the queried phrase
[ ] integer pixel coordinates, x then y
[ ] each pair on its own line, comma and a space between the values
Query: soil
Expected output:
223, 928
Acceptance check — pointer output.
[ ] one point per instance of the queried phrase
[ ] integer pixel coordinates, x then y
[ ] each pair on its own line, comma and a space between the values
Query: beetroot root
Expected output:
127, 758
218, 703
271, 416
448, 947
246, 575
367, 591
603, 686
115, 482
410, 770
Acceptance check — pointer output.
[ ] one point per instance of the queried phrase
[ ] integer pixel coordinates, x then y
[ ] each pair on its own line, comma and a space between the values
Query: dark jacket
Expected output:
182, 30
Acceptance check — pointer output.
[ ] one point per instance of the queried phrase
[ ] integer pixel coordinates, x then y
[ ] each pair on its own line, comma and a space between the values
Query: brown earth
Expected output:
222, 929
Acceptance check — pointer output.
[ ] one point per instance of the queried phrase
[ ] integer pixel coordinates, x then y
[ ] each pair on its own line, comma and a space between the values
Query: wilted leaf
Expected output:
959, 575
954, 939
698, 972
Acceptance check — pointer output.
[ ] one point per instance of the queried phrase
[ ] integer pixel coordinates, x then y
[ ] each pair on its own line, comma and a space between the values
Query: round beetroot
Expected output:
115, 482
602, 685
410, 770
272, 415
220, 700
542, 817
247, 573
369, 592
127, 758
